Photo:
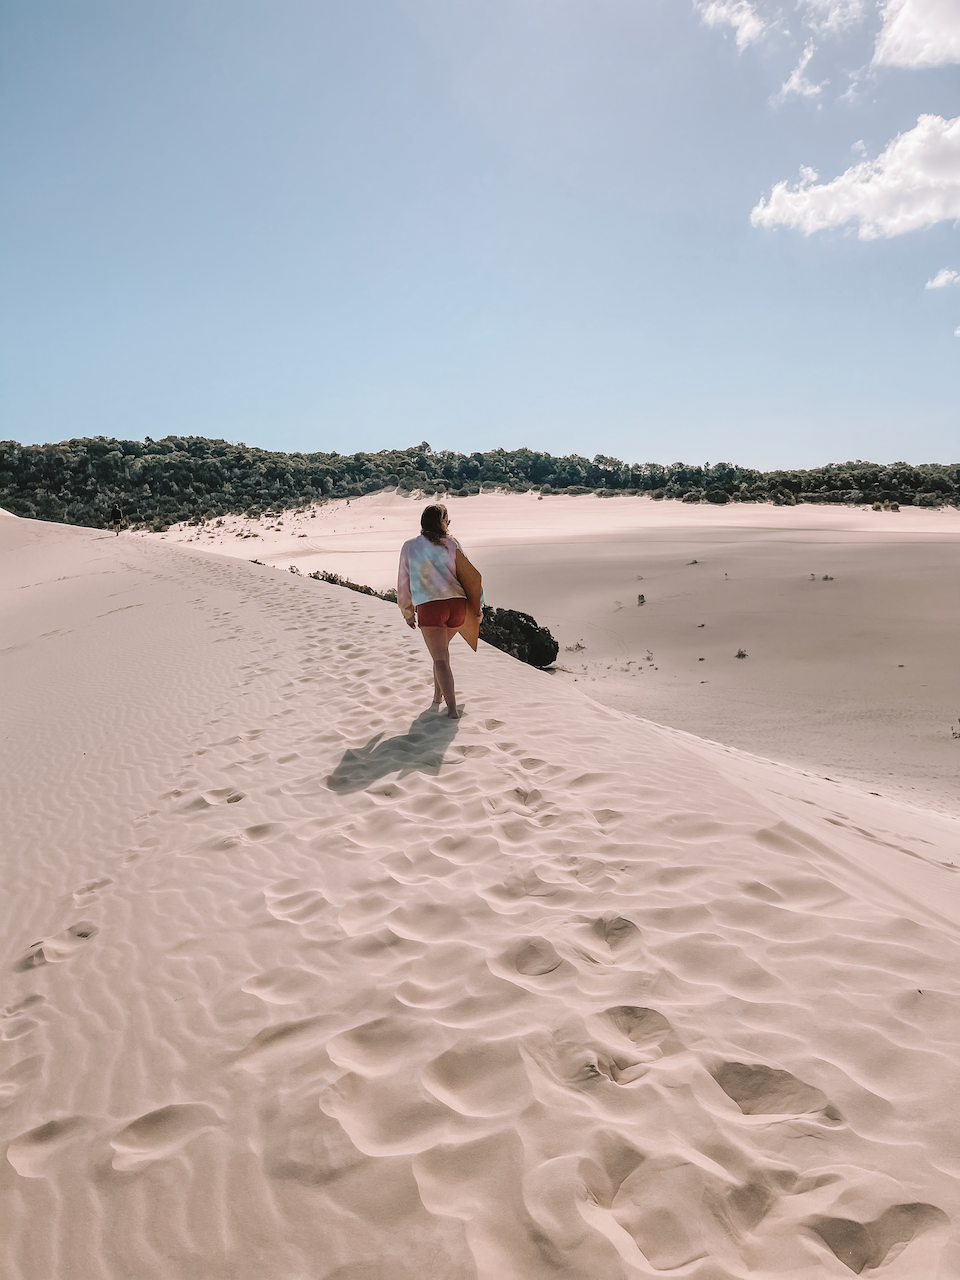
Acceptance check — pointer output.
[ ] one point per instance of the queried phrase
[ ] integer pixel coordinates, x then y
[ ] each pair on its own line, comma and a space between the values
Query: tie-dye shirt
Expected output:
428, 571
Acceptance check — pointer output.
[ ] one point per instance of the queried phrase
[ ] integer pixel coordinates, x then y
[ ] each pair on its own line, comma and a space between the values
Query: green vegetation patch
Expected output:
188, 478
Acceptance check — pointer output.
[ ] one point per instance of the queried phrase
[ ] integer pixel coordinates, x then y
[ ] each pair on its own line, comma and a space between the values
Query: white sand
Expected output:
302, 982
854, 678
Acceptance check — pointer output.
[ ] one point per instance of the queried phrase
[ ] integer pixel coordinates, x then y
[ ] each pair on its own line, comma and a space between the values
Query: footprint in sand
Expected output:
223, 795
160, 1133
616, 932
28, 1002
251, 835
18, 1077
535, 957
65, 945
31, 1152
651, 1206
646, 1029
480, 1079
763, 1091
85, 893
33, 959
16, 1028
862, 1245
210, 799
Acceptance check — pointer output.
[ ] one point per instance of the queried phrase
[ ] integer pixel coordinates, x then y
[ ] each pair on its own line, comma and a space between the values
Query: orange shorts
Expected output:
443, 613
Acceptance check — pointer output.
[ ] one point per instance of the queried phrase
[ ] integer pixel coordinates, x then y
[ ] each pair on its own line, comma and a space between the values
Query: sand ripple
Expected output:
301, 982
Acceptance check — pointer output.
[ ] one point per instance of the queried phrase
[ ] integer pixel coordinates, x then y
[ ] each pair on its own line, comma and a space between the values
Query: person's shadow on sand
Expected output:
419, 750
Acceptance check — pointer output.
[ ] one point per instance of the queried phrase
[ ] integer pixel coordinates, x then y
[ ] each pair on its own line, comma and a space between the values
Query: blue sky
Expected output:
578, 227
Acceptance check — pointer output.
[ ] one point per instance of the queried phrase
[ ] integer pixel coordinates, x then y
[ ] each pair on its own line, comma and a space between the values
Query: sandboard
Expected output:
470, 581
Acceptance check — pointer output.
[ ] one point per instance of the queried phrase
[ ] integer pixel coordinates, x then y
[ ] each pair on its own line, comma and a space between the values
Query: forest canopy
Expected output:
180, 478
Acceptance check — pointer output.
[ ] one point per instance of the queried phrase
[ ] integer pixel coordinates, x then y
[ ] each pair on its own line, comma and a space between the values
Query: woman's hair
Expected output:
433, 521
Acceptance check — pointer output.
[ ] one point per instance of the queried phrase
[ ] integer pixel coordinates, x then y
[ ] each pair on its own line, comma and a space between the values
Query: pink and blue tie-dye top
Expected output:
428, 571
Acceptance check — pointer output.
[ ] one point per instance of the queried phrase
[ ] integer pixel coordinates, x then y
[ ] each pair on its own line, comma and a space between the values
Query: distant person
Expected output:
116, 519
439, 590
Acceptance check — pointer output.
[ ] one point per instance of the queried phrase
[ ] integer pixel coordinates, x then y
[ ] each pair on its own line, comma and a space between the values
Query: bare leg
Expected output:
437, 640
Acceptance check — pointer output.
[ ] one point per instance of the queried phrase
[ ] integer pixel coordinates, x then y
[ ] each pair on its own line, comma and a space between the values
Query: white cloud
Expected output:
834, 15
797, 82
915, 183
956, 333
914, 33
943, 277
739, 14
919, 33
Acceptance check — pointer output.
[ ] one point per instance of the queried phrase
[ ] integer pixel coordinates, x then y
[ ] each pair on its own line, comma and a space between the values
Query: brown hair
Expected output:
433, 522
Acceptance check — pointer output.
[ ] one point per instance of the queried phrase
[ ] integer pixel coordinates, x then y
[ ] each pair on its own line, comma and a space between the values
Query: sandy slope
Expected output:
855, 677
302, 981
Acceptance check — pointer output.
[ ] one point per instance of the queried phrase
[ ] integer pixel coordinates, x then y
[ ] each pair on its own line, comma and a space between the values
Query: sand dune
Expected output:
849, 617
304, 981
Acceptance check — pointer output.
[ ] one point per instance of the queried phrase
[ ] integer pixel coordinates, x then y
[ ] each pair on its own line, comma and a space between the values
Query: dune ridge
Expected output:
303, 980
849, 617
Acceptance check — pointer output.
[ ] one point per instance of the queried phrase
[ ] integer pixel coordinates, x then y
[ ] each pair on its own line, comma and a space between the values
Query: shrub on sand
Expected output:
518, 634
321, 575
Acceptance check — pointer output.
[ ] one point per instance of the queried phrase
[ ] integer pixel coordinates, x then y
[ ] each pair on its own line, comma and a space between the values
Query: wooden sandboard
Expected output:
470, 581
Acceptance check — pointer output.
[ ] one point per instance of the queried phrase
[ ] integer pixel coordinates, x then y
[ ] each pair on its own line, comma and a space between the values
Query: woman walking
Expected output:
431, 594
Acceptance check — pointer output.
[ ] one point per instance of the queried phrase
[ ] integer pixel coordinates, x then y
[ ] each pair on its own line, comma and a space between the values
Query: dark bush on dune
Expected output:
518, 634
335, 580
507, 629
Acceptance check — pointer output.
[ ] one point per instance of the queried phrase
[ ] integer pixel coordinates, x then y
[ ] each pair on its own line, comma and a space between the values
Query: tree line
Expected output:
187, 478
